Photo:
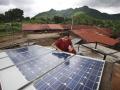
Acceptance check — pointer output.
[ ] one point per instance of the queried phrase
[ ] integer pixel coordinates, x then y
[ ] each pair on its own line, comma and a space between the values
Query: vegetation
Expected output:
11, 20
9, 28
83, 15
12, 15
82, 18
70, 12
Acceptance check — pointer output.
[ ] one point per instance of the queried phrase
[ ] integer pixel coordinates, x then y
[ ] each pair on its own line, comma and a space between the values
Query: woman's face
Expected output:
66, 37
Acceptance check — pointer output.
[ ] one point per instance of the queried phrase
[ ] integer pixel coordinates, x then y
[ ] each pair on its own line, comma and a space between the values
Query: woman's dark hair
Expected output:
66, 33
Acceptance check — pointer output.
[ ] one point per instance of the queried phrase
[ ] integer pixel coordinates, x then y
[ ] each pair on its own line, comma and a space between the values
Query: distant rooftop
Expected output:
93, 36
38, 27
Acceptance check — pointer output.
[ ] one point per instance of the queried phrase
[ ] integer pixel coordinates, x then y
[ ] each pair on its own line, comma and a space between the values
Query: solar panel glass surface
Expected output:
36, 60
80, 74
27, 53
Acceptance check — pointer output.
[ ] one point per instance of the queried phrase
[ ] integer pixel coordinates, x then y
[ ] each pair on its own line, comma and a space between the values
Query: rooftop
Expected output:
95, 36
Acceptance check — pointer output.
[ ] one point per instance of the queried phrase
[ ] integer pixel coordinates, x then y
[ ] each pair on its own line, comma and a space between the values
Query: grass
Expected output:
8, 28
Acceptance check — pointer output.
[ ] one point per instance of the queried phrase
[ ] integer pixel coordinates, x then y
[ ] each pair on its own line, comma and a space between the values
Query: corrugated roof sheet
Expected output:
90, 36
34, 27
105, 31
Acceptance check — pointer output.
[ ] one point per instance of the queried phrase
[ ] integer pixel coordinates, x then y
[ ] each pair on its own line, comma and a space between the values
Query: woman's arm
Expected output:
54, 46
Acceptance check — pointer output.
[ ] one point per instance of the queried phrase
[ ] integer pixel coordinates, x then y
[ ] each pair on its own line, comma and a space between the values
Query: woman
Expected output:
64, 44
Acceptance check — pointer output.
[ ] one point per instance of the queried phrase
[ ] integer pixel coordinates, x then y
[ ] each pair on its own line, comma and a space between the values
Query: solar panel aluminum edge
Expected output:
12, 79
3, 55
73, 80
101, 76
5, 62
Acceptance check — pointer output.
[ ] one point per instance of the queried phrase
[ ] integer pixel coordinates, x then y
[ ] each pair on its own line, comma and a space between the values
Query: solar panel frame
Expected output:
3, 55
100, 74
21, 62
5, 62
12, 79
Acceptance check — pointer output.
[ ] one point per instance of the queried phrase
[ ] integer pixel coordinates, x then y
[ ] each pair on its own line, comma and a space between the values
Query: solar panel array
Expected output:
57, 71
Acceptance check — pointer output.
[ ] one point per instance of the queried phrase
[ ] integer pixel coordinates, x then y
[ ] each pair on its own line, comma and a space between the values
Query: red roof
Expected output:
104, 31
89, 36
66, 26
31, 27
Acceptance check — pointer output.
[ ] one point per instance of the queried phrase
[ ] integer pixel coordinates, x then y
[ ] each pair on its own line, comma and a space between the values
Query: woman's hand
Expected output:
70, 48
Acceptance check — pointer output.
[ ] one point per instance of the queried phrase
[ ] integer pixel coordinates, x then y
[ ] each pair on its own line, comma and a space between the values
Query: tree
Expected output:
58, 19
14, 15
82, 18
116, 28
67, 20
2, 17
27, 18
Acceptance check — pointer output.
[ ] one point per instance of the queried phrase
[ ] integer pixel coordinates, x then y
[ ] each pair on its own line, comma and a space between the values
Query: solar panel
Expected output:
27, 53
5, 62
80, 74
3, 55
41, 65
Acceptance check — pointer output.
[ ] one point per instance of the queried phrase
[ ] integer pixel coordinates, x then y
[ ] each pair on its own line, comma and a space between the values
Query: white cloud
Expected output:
109, 10
4, 8
33, 7
45, 5
4, 2
106, 6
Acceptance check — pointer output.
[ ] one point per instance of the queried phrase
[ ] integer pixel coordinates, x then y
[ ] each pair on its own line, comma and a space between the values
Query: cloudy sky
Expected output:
33, 7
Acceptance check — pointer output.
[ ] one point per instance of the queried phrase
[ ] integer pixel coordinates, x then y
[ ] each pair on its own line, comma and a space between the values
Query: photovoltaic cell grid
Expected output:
38, 62
80, 74
27, 53
40, 66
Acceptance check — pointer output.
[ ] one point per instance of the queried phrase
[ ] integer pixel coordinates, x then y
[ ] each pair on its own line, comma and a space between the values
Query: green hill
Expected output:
69, 12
